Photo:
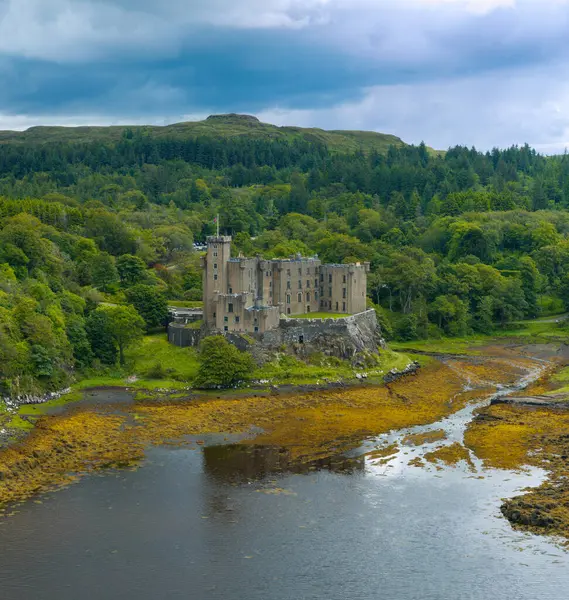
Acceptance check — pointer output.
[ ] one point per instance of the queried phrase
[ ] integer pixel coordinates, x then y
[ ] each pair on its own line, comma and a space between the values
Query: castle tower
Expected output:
215, 274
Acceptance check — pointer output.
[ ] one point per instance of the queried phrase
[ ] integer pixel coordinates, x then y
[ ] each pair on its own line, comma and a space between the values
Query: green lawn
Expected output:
185, 303
154, 362
155, 350
321, 315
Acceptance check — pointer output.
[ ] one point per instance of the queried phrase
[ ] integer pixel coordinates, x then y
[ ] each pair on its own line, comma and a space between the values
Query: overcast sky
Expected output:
473, 72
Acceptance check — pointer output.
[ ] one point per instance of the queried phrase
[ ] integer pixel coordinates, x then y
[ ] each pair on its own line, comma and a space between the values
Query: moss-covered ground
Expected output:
508, 436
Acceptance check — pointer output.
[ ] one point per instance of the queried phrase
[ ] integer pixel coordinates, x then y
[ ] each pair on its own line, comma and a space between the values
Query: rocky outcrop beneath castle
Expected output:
344, 337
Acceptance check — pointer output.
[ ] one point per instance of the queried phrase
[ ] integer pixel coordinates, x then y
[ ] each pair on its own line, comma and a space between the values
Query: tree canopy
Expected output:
458, 242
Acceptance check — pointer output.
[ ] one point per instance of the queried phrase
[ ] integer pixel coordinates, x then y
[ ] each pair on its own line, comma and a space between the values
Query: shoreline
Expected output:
311, 424
111, 426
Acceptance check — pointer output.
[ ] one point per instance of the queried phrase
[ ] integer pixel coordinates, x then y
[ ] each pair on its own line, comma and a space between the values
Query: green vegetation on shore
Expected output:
533, 331
97, 226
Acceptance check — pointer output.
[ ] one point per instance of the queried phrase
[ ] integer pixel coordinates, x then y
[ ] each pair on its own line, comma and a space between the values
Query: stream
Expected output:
234, 522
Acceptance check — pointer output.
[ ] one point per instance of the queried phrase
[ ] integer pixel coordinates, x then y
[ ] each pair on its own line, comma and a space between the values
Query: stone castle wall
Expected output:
344, 337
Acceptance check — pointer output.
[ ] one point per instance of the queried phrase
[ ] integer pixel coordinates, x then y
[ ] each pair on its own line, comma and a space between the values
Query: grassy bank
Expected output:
155, 367
544, 330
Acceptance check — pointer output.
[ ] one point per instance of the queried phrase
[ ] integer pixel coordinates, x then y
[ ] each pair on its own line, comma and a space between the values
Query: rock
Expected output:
394, 374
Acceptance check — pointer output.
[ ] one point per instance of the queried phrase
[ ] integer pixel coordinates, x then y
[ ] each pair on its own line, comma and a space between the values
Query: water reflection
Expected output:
239, 462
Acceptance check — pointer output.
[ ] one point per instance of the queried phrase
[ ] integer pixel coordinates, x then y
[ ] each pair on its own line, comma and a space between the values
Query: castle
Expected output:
249, 295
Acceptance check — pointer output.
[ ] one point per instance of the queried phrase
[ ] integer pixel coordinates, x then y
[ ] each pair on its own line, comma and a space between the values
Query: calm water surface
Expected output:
237, 523
224, 522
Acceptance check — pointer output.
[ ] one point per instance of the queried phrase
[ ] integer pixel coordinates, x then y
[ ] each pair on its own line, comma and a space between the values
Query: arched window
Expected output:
308, 296
300, 297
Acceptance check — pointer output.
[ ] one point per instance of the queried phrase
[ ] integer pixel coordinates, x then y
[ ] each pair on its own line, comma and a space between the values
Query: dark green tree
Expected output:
222, 365
150, 303
131, 269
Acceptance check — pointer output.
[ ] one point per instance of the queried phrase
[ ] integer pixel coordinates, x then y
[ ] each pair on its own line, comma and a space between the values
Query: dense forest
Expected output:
96, 235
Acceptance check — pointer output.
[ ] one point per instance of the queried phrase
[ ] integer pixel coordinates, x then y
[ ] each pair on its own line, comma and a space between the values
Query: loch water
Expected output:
221, 520
233, 522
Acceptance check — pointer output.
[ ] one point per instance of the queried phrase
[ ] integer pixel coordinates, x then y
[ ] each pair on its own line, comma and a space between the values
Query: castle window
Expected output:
316, 283
226, 319
215, 254
344, 306
231, 290
308, 283
288, 272
336, 306
214, 315
215, 266
344, 293
237, 319
299, 284
330, 292
300, 297
288, 285
330, 278
215, 277
300, 271
288, 311
230, 307
288, 299
344, 279
322, 291
226, 328
321, 276
308, 296
256, 330
315, 295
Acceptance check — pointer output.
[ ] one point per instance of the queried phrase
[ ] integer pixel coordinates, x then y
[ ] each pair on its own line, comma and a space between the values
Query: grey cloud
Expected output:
487, 110
406, 32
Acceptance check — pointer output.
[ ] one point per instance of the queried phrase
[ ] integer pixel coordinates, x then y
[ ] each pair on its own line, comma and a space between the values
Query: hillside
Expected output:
217, 126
